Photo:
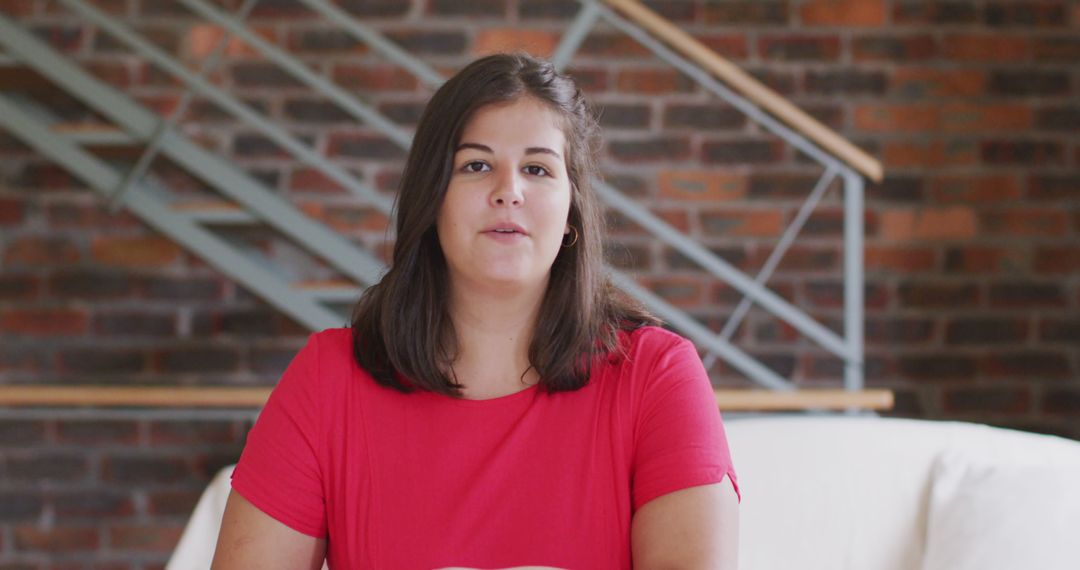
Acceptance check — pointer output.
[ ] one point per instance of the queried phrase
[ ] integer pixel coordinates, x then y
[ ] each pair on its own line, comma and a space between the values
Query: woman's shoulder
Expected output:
328, 355
650, 341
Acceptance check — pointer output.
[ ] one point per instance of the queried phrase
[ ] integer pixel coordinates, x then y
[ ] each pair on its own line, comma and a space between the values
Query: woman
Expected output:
497, 403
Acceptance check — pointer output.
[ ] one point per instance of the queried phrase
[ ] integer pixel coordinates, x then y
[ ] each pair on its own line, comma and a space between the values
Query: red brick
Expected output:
57, 539
894, 48
890, 330
1065, 330
1054, 187
42, 251
161, 538
741, 152
47, 466
985, 259
1057, 260
952, 117
965, 117
147, 251
975, 189
934, 13
97, 360
847, 13
167, 503
369, 77
95, 504
683, 291
1025, 222
1062, 401
142, 468
201, 40
1028, 153
654, 149
363, 146
935, 368
922, 82
1027, 295
321, 42
830, 294
742, 223
902, 259
995, 48
678, 219
350, 220
97, 432
799, 258
742, 12
1026, 14
613, 45
930, 154
1064, 49
192, 432
18, 8
986, 399
12, 211
1027, 81
474, 9
799, 47
987, 331
954, 222
701, 185
540, 43
653, 81
930, 294
731, 46
18, 287
44, 322
1029, 366
897, 118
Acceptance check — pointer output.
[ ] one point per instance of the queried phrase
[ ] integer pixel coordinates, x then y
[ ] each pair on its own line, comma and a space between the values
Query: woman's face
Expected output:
505, 211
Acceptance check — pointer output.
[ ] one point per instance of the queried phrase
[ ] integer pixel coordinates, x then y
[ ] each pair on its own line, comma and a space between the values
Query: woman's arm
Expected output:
696, 527
250, 538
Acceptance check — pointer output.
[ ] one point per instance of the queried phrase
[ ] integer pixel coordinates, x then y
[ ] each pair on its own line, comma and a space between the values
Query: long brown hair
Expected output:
402, 331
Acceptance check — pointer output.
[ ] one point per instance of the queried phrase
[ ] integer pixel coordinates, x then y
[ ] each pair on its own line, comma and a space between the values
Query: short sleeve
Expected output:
680, 440
279, 471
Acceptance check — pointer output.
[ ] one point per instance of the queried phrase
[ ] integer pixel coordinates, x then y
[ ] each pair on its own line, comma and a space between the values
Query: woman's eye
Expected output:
475, 166
536, 170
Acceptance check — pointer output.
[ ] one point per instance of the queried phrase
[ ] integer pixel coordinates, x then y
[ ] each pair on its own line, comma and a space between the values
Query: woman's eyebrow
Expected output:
528, 151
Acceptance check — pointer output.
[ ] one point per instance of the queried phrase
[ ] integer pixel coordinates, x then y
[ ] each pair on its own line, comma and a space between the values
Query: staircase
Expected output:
109, 150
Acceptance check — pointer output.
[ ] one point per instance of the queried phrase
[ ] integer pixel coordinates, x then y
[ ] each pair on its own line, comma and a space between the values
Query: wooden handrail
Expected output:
254, 397
750, 88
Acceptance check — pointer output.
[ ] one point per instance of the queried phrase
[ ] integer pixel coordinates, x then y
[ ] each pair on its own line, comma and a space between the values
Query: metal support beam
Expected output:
280, 137
210, 247
215, 171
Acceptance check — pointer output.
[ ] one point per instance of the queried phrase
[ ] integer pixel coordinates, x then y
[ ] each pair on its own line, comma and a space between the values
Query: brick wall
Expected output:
973, 256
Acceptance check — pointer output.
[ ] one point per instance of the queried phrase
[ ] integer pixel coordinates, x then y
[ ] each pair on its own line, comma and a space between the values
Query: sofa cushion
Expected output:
833, 493
1004, 500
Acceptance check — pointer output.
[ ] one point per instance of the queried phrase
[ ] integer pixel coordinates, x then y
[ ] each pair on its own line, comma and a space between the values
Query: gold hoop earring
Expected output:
573, 241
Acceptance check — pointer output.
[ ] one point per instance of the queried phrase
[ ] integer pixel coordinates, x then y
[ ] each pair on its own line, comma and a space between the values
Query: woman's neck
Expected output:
493, 337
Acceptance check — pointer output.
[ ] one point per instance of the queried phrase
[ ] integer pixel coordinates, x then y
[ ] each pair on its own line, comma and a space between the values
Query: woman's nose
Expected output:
507, 191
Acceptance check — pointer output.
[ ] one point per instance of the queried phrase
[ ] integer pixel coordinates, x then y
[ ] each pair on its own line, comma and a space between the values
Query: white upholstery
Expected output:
836, 493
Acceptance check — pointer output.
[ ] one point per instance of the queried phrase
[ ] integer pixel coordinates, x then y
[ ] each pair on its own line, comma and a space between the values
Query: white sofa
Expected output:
865, 493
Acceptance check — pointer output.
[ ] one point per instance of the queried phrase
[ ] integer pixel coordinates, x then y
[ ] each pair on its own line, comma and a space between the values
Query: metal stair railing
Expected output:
840, 159
358, 264
104, 178
848, 348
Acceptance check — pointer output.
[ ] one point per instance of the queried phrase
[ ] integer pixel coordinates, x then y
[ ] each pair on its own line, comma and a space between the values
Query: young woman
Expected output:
497, 402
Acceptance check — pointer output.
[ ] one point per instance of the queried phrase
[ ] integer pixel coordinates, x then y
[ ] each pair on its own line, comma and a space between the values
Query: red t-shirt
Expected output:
423, 480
